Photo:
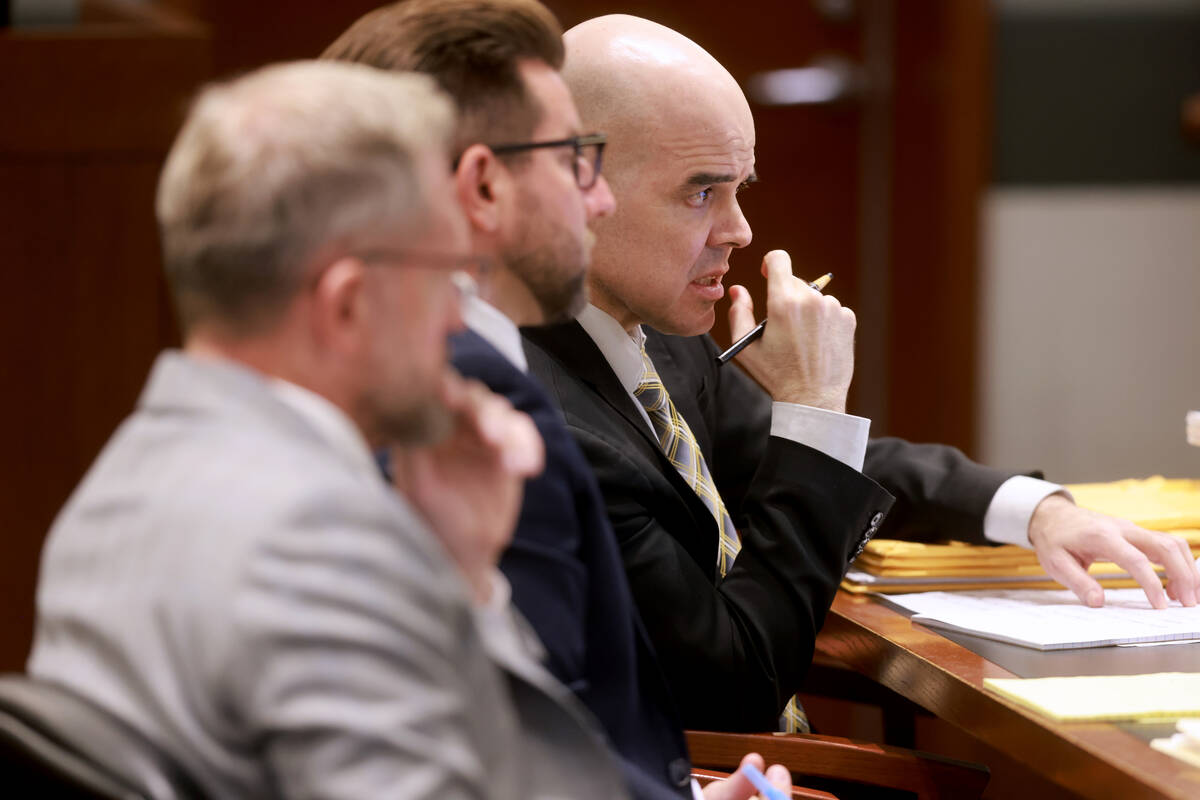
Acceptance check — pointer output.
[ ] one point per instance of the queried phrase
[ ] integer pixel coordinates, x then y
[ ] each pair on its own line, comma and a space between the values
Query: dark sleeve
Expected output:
542, 563
549, 581
735, 651
940, 493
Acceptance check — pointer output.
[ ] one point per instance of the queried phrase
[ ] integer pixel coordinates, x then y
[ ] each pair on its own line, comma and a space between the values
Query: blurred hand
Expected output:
739, 787
470, 485
806, 353
1068, 539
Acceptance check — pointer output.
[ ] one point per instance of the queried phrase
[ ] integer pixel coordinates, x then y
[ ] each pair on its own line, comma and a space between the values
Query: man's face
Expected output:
660, 258
549, 241
414, 306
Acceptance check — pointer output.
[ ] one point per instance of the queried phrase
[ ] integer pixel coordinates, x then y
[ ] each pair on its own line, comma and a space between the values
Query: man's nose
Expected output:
732, 229
599, 199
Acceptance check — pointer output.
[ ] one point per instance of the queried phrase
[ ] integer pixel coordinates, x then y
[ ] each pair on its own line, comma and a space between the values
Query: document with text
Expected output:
1052, 619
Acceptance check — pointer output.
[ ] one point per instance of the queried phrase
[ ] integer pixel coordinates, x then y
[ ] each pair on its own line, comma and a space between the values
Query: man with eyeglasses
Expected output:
529, 180
232, 578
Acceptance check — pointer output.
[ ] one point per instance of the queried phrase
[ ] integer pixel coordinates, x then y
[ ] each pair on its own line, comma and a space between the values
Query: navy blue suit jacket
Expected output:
568, 580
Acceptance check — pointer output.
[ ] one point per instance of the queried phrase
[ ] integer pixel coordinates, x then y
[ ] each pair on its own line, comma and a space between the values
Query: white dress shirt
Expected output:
497, 329
840, 436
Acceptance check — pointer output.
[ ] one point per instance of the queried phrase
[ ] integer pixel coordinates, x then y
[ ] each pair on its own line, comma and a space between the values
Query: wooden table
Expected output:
946, 678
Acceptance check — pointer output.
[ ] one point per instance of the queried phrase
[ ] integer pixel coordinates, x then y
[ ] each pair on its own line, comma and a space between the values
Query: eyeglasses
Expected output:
589, 150
471, 264
466, 271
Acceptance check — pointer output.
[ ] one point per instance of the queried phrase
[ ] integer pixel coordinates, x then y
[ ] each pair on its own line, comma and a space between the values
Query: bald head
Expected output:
639, 82
680, 147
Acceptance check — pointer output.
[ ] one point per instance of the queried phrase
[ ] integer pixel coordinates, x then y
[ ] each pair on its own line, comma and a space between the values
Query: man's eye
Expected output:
701, 197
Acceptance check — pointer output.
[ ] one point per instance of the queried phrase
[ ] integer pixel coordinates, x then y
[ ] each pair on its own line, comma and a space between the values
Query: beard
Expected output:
559, 296
405, 418
422, 423
551, 261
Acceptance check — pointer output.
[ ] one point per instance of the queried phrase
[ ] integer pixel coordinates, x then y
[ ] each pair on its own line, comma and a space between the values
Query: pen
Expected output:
760, 782
757, 331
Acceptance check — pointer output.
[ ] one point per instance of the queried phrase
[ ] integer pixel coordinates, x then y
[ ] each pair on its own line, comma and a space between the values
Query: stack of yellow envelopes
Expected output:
1106, 698
890, 566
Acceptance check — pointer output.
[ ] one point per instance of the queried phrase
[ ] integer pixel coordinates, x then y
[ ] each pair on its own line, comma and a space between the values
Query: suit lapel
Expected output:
570, 345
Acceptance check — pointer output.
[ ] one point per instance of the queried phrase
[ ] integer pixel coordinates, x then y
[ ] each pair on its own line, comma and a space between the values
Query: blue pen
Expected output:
760, 782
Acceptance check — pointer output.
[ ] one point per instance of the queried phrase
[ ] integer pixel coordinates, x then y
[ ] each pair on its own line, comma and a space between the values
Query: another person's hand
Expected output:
806, 353
1068, 539
739, 787
469, 486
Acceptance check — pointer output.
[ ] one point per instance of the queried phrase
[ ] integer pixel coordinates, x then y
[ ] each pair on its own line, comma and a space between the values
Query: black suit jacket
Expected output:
568, 581
733, 649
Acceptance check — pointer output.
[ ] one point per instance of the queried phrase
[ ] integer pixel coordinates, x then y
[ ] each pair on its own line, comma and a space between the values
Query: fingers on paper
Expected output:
1062, 567
1173, 552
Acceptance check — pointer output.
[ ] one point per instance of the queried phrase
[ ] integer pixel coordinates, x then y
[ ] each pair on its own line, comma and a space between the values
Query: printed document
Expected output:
1052, 619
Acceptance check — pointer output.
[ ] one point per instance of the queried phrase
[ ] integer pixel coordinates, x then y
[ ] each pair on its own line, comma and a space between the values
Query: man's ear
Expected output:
339, 304
483, 186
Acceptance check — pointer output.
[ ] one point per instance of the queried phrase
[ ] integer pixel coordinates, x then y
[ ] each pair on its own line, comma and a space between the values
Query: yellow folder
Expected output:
1106, 698
1156, 503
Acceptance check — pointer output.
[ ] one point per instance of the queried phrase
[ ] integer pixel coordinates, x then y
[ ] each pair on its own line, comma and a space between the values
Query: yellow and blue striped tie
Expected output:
680, 446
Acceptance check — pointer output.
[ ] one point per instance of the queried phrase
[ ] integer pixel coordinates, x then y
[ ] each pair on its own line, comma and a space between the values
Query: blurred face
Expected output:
413, 305
549, 241
661, 256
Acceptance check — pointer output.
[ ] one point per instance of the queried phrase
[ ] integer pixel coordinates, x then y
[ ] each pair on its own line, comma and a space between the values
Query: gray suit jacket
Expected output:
279, 620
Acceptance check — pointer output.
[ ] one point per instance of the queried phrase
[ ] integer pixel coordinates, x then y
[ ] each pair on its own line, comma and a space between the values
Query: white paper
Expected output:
1052, 619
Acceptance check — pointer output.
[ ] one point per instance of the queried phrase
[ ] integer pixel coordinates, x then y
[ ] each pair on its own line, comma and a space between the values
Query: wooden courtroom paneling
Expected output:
89, 113
249, 34
942, 108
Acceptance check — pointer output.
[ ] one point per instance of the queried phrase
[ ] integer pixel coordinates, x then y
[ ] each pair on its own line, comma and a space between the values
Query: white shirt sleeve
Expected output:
840, 436
1008, 515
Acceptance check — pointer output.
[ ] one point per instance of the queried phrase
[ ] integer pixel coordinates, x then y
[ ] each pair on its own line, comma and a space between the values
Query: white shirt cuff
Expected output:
840, 436
1008, 515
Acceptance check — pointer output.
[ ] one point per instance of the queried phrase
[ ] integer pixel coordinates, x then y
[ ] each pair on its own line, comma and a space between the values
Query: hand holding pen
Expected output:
757, 331
806, 354
749, 782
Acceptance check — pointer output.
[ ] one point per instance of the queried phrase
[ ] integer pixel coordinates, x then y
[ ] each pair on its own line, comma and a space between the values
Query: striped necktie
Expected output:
680, 446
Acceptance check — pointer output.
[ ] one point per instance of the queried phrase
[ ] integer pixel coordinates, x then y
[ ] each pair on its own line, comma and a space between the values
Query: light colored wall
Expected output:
1090, 331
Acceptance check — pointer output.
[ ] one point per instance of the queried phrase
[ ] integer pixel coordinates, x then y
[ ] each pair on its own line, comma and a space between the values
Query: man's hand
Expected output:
739, 787
806, 353
1068, 539
470, 485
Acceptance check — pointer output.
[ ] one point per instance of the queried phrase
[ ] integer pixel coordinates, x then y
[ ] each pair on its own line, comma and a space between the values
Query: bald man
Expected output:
734, 616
